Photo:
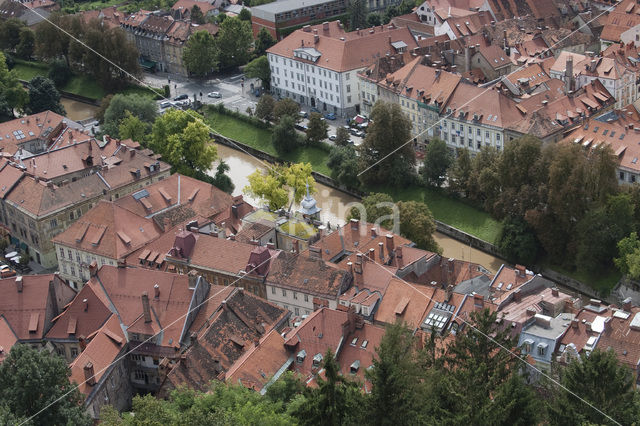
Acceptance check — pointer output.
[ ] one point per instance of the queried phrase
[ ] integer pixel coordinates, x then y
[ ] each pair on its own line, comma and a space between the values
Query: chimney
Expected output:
358, 267
478, 301
448, 293
355, 224
156, 291
569, 85
19, 284
588, 325
554, 292
381, 246
316, 38
146, 310
232, 237
390, 243
271, 246
399, 261
89, 374
521, 271
193, 278
626, 304
372, 254
296, 246
234, 210
350, 267
93, 269
315, 252
325, 26
374, 233
531, 312
574, 323
467, 59
82, 341
85, 303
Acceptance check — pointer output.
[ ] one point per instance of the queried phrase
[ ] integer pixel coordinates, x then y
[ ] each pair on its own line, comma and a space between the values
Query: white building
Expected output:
317, 66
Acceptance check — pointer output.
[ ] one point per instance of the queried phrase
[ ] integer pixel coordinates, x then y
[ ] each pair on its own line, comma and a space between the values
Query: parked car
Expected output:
181, 97
303, 114
330, 116
332, 137
301, 127
353, 131
316, 110
360, 134
351, 142
6, 271
214, 95
166, 104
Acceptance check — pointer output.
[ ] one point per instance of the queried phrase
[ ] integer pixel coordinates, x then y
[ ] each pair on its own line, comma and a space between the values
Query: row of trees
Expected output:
231, 47
360, 18
181, 137
476, 381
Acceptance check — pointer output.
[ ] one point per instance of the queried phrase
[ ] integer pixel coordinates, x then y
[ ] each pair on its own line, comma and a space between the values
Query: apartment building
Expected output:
317, 66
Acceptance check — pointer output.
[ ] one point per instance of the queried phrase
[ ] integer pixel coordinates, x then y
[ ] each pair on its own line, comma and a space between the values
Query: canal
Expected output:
78, 111
335, 205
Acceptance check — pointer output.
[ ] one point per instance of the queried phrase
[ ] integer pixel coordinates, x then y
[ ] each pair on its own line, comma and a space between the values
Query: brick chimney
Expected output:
358, 267
448, 293
315, 252
296, 246
575, 323
146, 310
372, 254
82, 341
93, 269
374, 233
390, 243
400, 262
555, 292
19, 284
89, 374
350, 267
156, 291
381, 247
355, 224
626, 304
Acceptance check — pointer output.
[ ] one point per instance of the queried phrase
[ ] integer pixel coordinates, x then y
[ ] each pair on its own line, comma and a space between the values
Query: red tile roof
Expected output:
345, 51
8, 338
404, 302
626, 15
623, 336
25, 129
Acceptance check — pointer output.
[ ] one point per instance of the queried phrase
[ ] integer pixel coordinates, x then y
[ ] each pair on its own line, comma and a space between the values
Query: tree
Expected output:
276, 185
102, 109
234, 43
12, 95
245, 14
376, 206
437, 160
316, 129
10, 33
286, 388
59, 73
43, 96
200, 54
285, 138
418, 225
460, 173
344, 165
27, 43
184, 142
395, 394
51, 43
357, 14
336, 401
264, 107
37, 382
131, 127
373, 20
342, 137
264, 40
197, 17
259, 68
142, 107
386, 156
517, 241
286, 106
221, 180
628, 261
600, 380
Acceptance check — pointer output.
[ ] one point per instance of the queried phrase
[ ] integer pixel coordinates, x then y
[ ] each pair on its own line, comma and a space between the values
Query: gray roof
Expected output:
479, 284
268, 11
558, 325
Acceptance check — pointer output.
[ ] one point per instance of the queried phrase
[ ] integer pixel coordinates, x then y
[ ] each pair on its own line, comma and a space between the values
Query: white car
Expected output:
214, 95
332, 137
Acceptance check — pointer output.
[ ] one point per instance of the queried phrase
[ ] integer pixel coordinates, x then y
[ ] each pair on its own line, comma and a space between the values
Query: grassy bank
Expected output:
78, 85
603, 282
257, 138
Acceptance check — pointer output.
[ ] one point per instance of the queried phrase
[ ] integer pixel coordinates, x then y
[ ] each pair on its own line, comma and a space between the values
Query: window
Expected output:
284, 293
74, 352
486, 135
346, 76
53, 223
348, 99
621, 178
73, 270
297, 311
70, 254
306, 297
273, 290
295, 295
71, 215
349, 88
62, 250
139, 375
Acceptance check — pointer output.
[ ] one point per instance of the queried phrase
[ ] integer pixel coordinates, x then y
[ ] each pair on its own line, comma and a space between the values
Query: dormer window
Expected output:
355, 366
301, 356
317, 360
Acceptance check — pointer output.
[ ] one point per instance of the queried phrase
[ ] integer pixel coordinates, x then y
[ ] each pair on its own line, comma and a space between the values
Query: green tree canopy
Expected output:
265, 106
357, 14
378, 208
460, 173
10, 33
628, 260
12, 95
37, 382
259, 68
184, 142
386, 156
418, 225
234, 43
517, 241
344, 165
131, 127
245, 14
200, 54
264, 40
43, 96
280, 185
437, 160
142, 107
197, 17
27, 43
285, 138
316, 129
286, 106
342, 136
59, 72
221, 180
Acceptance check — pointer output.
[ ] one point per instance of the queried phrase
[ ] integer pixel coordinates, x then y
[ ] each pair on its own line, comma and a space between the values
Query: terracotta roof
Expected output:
260, 363
623, 336
358, 49
473, 23
9, 177
626, 15
579, 332
26, 310
123, 288
80, 318
404, 302
8, 338
359, 350
308, 274
32, 127
100, 353
109, 230
230, 331
188, 5
534, 74
110, 17
204, 199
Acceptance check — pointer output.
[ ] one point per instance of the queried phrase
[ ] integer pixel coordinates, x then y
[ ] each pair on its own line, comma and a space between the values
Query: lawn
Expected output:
260, 139
84, 86
27, 70
450, 211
